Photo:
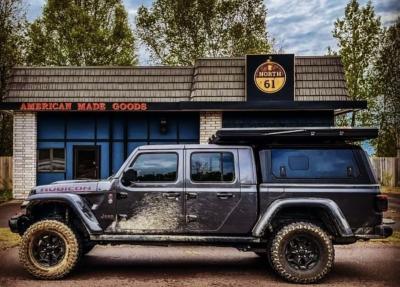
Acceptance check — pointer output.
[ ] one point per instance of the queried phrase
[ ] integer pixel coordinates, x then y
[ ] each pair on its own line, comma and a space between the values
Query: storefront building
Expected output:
82, 122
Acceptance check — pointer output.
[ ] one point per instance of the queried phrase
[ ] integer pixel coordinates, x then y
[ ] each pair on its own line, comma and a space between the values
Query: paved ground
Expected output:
356, 265
361, 264
394, 210
7, 210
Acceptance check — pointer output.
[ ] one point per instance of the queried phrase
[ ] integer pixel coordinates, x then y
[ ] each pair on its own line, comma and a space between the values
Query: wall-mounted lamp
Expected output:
163, 126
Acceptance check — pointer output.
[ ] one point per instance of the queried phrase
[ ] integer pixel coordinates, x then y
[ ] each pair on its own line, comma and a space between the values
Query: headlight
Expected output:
24, 203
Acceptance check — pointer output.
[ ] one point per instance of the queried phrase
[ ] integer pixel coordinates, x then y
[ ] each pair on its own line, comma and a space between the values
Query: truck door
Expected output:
212, 190
153, 202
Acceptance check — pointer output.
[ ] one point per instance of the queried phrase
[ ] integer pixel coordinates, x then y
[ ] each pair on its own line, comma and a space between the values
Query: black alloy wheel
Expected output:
48, 249
302, 252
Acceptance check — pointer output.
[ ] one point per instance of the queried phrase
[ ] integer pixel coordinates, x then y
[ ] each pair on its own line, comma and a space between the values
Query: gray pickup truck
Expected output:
288, 195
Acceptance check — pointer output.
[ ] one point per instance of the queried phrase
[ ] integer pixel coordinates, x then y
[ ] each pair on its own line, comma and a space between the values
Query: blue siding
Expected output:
117, 156
81, 127
50, 127
137, 127
48, 177
103, 128
119, 134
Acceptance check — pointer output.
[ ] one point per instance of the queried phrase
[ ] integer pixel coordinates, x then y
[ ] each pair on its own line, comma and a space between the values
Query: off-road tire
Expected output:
68, 262
282, 267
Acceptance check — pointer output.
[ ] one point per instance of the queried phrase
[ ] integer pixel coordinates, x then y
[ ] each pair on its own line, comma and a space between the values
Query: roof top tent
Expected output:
274, 135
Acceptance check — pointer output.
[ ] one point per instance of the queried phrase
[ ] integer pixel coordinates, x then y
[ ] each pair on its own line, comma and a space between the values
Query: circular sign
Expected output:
270, 77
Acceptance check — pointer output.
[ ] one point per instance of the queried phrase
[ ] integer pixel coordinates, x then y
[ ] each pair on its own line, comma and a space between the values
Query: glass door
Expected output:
86, 162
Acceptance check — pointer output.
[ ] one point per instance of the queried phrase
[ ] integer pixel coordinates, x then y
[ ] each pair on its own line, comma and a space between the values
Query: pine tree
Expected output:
12, 37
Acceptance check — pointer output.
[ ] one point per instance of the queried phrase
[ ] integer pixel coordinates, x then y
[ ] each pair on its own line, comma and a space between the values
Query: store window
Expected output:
51, 160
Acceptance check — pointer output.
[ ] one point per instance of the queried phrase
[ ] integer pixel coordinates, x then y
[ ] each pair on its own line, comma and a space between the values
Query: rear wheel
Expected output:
49, 249
302, 252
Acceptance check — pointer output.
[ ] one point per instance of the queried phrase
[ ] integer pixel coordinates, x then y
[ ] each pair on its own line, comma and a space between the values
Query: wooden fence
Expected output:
387, 170
5, 172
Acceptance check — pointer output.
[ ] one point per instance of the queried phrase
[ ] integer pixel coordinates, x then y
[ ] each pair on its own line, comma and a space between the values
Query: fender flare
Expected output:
76, 203
329, 205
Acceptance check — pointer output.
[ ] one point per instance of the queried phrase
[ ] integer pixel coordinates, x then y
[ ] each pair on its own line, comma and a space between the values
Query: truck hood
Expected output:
68, 186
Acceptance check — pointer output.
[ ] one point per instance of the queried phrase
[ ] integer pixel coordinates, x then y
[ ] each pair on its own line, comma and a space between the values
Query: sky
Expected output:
302, 27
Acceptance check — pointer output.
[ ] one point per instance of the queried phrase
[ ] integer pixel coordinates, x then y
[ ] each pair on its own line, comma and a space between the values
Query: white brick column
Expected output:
210, 122
24, 153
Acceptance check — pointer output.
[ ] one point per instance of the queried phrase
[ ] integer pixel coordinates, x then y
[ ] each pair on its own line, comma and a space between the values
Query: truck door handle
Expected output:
191, 195
122, 195
224, 195
171, 194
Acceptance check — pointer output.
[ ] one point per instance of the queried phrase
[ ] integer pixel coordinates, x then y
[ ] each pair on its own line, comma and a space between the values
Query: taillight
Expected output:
381, 203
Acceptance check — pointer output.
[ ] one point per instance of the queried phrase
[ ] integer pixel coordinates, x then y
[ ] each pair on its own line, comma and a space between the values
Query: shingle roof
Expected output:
211, 79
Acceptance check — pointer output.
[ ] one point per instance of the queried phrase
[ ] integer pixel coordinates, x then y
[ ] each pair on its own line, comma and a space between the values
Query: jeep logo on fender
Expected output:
270, 77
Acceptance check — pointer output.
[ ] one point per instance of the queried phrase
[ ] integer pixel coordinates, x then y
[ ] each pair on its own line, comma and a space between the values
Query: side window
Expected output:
314, 163
51, 160
212, 167
156, 167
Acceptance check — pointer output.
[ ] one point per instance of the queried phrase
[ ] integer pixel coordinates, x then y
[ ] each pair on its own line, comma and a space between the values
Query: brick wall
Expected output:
210, 122
24, 154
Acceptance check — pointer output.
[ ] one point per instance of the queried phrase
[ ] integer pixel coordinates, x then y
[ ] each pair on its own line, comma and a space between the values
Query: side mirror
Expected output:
129, 176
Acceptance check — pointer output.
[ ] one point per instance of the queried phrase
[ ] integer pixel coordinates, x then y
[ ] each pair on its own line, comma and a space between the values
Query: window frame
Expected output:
222, 174
51, 159
130, 165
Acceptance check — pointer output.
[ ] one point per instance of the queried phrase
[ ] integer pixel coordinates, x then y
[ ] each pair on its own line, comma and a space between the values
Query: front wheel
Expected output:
49, 249
302, 252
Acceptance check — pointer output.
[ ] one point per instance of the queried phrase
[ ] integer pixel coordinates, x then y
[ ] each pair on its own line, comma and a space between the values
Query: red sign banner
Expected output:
97, 106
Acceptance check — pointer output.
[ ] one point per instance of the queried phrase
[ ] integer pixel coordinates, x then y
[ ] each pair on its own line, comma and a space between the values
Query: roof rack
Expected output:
299, 134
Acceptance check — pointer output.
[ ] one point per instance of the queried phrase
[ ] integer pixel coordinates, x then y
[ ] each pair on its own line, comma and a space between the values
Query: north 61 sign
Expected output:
270, 77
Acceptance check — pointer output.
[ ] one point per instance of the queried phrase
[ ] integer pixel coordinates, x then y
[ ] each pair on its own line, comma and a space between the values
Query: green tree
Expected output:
387, 86
358, 35
176, 32
12, 35
81, 33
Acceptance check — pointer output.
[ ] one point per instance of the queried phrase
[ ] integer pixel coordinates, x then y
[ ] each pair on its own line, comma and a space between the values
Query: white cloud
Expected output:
305, 27
300, 27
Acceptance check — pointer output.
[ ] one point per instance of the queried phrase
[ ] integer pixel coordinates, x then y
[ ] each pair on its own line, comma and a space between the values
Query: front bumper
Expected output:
18, 223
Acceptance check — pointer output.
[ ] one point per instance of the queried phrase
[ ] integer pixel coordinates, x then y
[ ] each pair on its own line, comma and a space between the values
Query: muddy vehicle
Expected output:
287, 194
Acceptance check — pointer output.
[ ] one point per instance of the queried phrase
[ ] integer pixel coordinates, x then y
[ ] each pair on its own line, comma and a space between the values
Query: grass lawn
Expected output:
395, 238
7, 238
388, 189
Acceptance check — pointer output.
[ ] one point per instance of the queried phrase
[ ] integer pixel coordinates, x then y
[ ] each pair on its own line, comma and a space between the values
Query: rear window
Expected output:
313, 164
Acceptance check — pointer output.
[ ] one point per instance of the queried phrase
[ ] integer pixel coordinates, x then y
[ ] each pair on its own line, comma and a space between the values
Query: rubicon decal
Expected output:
270, 77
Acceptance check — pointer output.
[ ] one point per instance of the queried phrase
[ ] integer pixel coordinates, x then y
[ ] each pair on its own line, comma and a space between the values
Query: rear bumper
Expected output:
380, 232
